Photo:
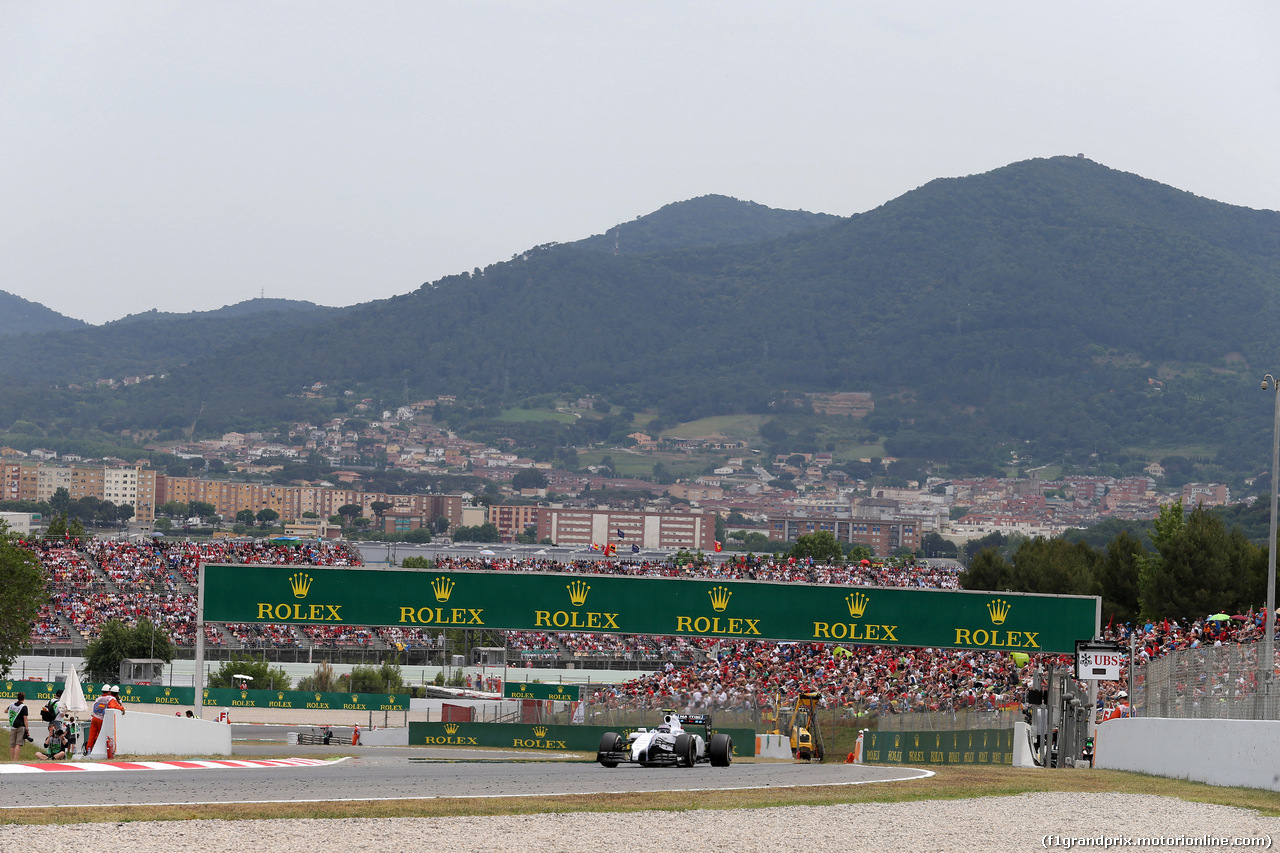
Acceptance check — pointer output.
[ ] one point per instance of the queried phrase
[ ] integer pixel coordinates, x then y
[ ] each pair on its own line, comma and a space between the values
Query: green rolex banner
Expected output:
306, 700
130, 694
965, 746
538, 601
532, 690
529, 736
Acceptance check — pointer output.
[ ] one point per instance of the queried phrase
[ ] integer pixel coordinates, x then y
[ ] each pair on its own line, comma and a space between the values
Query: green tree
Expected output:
245, 517
379, 509
203, 510
486, 532
934, 545
1199, 567
1117, 577
350, 512
416, 562
1054, 567
853, 553
21, 595
264, 675
75, 529
267, 517
61, 500
118, 641
57, 528
385, 678
822, 546
988, 570
529, 478
323, 680
419, 535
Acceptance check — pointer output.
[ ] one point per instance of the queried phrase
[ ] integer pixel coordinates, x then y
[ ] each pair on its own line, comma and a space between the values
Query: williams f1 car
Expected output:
668, 745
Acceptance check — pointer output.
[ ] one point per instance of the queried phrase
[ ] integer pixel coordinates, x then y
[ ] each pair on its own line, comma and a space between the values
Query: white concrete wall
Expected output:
1023, 755
1218, 752
384, 737
773, 746
157, 734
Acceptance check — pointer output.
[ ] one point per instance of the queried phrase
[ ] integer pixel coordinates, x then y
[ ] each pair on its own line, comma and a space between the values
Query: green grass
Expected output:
735, 427
629, 464
860, 451
535, 415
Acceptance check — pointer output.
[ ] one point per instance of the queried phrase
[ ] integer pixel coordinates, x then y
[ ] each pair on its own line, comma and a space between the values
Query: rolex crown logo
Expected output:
354, 698
317, 697
999, 609
578, 592
167, 690
450, 728
540, 731
719, 597
280, 695
300, 583
443, 588
857, 604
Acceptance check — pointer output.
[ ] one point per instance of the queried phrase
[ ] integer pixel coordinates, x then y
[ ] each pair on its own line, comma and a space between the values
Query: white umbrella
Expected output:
72, 696
487, 553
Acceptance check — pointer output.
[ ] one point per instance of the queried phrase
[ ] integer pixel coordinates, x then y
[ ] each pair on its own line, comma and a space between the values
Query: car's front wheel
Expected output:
609, 744
686, 750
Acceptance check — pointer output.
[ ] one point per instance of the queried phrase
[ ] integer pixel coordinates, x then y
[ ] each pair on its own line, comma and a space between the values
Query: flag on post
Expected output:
635, 549
719, 547
621, 535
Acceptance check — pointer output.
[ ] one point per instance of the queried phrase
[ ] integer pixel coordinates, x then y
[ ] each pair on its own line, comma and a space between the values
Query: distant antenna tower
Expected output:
262, 293
617, 240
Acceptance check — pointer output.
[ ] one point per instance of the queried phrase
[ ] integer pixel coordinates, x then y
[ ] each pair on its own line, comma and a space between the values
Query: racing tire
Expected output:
609, 743
721, 750
685, 750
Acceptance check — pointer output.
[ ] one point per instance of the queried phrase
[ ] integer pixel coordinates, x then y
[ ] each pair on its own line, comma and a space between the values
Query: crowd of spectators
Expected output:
897, 573
94, 581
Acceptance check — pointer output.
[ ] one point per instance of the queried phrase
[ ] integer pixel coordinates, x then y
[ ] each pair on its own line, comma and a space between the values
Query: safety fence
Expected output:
1208, 683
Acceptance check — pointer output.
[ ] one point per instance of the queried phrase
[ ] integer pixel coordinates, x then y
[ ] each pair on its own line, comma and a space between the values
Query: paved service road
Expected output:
389, 773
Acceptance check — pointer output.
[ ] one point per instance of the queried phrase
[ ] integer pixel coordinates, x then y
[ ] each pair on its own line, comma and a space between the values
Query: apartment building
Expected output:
881, 534
583, 527
291, 502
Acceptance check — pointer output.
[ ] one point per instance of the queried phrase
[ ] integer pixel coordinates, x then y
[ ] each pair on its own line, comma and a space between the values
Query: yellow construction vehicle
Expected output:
802, 725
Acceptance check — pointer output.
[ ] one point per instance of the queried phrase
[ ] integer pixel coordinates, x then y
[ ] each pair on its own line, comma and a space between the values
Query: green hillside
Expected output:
709, 220
19, 316
1022, 309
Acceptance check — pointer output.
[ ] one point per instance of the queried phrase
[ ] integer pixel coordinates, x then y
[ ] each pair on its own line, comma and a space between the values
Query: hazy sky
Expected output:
184, 156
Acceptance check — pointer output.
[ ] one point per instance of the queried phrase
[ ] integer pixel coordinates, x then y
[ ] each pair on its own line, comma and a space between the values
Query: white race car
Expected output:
668, 745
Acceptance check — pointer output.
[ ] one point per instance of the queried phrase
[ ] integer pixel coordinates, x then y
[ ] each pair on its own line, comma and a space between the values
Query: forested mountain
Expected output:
19, 316
1054, 307
246, 308
709, 220
150, 343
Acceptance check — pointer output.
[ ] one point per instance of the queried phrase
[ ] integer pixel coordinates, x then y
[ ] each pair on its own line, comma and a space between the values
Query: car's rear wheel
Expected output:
721, 750
685, 750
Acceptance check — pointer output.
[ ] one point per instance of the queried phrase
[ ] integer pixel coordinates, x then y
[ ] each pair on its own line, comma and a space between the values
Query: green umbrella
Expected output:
1218, 617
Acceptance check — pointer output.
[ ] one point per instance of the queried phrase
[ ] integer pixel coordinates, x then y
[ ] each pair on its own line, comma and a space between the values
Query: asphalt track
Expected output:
403, 773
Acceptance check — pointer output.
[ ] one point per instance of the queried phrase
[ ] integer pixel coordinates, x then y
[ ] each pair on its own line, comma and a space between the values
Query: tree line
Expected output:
1195, 567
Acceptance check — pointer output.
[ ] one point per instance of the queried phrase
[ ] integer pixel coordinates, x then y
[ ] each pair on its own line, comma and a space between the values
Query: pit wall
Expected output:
1218, 752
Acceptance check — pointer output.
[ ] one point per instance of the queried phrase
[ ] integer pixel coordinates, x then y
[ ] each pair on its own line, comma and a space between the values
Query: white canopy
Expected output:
72, 696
